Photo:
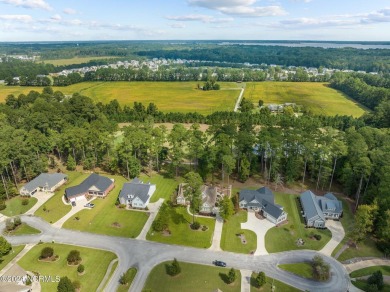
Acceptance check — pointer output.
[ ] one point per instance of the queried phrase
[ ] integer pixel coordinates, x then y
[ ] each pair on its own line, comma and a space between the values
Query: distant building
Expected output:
45, 182
136, 194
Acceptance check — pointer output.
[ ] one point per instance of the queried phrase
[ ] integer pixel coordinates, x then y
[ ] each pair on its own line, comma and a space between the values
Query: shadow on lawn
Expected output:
177, 218
224, 277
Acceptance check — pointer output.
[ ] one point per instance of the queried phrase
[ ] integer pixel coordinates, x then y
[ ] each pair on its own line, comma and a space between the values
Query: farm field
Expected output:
319, 98
75, 60
168, 96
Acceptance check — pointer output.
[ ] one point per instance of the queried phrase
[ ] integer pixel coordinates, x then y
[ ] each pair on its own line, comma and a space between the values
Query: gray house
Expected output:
136, 194
317, 209
45, 182
262, 201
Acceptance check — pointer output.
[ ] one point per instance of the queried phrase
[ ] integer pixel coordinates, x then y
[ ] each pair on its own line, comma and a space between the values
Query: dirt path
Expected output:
239, 99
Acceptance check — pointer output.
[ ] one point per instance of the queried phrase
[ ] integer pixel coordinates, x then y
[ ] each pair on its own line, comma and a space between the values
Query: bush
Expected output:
47, 252
2, 206
195, 225
5, 246
25, 202
76, 284
17, 221
376, 279
260, 280
321, 269
73, 257
204, 228
65, 285
125, 278
232, 276
174, 268
80, 269
317, 236
9, 224
158, 225
28, 281
122, 206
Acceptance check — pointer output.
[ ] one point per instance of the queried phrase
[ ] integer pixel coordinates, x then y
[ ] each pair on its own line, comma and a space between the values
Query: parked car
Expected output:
89, 205
219, 263
73, 203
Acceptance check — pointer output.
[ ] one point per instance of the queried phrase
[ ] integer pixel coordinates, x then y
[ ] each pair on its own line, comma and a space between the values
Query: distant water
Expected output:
325, 45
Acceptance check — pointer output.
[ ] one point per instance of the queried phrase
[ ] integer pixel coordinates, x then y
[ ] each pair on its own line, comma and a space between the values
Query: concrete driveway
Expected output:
337, 236
42, 198
79, 206
260, 227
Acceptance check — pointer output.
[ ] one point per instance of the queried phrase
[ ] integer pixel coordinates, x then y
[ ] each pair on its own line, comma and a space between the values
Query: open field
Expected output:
106, 218
319, 98
15, 207
165, 187
95, 262
284, 237
229, 239
10, 256
75, 60
193, 278
168, 96
55, 208
267, 287
181, 233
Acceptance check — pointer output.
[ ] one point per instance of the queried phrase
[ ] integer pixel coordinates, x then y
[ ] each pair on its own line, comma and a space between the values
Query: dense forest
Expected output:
50, 129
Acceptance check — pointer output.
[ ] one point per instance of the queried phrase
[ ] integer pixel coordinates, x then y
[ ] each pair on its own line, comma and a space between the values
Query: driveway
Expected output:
337, 236
260, 227
153, 211
216, 244
42, 198
79, 206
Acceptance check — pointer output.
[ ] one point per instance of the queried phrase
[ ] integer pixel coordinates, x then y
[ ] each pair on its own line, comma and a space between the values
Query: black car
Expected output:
73, 203
219, 263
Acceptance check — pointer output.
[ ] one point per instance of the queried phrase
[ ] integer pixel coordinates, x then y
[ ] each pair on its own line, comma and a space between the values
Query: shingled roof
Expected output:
101, 183
136, 188
48, 180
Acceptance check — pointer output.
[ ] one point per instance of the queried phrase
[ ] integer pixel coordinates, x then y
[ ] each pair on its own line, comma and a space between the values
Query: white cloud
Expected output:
17, 18
69, 11
56, 17
177, 25
382, 15
199, 17
241, 8
39, 4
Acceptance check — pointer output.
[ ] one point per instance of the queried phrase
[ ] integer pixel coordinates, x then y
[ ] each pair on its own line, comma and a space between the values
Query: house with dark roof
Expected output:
136, 194
45, 182
262, 201
94, 185
317, 209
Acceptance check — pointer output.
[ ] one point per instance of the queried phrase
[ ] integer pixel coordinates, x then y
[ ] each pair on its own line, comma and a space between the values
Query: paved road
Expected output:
144, 255
337, 236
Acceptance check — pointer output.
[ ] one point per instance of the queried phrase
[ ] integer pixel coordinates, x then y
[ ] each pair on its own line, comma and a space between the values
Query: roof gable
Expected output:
101, 183
136, 188
44, 180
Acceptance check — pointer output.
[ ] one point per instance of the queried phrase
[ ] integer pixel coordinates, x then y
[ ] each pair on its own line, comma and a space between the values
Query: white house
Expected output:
136, 194
45, 182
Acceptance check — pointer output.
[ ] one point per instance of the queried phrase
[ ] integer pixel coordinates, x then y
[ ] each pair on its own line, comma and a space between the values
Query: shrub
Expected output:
260, 279
17, 221
158, 225
5, 246
174, 268
28, 281
25, 202
76, 284
73, 257
232, 276
317, 236
47, 252
9, 224
321, 269
195, 225
80, 269
2, 206
125, 278
65, 285
204, 228
376, 279
122, 206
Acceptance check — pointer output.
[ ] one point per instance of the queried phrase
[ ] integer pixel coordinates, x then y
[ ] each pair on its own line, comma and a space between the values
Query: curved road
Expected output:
144, 255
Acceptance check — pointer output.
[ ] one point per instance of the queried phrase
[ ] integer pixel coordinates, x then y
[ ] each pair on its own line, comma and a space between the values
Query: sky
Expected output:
69, 20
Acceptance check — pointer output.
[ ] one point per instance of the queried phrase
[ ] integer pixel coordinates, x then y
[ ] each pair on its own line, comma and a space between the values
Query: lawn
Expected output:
347, 221
15, 207
366, 248
267, 287
10, 256
370, 270
55, 208
181, 233
75, 60
231, 242
192, 278
362, 285
23, 229
284, 237
95, 262
317, 97
168, 96
304, 270
106, 218
165, 187
124, 288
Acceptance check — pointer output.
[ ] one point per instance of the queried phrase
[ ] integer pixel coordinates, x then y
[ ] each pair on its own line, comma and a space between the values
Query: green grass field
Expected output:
23, 229
193, 278
75, 60
181, 233
168, 96
267, 287
10, 256
370, 270
319, 98
304, 270
55, 208
95, 262
363, 285
366, 248
165, 187
102, 217
284, 237
231, 242
15, 207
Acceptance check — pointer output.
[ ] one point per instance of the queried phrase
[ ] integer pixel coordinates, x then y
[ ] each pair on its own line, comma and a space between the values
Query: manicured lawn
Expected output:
124, 288
304, 270
370, 270
95, 262
284, 237
168, 96
181, 233
75, 60
23, 229
10, 256
317, 97
231, 242
165, 187
15, 207
55, 208
192, 278
362, 285
366, 248
106, 218
267, 287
